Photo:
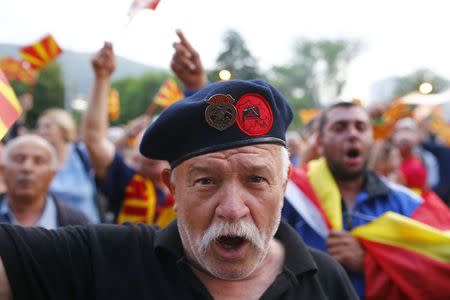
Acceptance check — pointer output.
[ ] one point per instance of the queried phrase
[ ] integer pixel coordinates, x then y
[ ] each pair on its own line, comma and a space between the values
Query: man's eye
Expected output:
257, 179
204, 181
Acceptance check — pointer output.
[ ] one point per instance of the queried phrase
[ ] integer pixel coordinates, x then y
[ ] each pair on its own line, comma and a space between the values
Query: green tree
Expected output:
236, 58
316, 72
411, 82
136, 94
48, 92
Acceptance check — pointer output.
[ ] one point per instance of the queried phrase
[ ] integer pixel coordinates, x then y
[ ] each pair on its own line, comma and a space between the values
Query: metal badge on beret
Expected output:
220, 113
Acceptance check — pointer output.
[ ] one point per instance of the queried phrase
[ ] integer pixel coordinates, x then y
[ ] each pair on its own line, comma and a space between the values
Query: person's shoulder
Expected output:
67, 215
402, 192
324, 262
332, 276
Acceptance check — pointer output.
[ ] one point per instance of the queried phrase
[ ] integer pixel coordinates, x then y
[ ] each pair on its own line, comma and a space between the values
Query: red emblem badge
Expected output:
255, 116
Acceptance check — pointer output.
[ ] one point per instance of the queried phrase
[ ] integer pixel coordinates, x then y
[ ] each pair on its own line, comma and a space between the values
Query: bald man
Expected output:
29, 164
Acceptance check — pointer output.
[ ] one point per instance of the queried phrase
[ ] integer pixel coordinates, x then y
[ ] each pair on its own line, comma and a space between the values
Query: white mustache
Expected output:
244, 229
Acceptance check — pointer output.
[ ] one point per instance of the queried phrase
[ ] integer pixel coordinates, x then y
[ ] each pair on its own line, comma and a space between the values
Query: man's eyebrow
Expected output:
198, 169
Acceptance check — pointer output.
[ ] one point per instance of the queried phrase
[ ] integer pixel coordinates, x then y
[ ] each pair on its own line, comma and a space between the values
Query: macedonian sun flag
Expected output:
406, 257
10, 108
168, 94
15, 69
41, 53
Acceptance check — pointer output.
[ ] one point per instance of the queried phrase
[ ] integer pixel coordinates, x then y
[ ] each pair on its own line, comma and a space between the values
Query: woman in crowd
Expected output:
74, 182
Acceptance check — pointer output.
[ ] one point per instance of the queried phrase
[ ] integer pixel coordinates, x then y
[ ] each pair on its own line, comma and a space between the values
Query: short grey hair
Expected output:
39, 141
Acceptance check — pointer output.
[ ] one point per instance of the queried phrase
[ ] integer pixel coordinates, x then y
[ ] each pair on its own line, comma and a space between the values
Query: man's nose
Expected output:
27, 165
353, 131
232, 206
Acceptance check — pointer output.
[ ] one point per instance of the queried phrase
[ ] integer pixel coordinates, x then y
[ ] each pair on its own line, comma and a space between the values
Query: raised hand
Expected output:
186, 64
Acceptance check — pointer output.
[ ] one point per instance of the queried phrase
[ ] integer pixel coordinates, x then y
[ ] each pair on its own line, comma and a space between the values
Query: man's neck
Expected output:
27, 211
252, 287
62, 152
350, 189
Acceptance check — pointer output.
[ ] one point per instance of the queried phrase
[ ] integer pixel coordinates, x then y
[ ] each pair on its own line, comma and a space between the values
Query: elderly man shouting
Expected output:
229, 169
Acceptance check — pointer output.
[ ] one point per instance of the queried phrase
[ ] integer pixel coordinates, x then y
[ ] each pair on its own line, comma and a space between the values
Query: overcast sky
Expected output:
400, 36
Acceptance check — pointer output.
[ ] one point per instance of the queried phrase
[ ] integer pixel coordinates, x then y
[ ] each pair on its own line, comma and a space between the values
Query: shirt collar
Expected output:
47, 220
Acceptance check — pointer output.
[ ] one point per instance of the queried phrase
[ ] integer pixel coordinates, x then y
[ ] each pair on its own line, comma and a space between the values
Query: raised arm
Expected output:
187, 66
95, 122
5, 288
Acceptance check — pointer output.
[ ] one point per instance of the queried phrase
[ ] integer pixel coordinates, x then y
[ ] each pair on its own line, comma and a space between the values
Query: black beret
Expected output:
223, 115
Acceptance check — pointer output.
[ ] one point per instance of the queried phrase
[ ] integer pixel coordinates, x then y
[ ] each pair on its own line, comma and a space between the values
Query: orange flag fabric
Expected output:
15, 69
168, 94
114, 105
10, 108
308, 114
41, 53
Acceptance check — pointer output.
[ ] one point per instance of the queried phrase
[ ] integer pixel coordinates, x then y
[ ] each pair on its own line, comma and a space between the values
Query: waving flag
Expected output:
15, 69
138, 5
113, 105
10, 108
168, 93
407, 257
308, 114
41, 53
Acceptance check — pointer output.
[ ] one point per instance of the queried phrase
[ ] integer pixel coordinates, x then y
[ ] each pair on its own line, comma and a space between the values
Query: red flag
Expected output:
138, 5
10, 108
41, 53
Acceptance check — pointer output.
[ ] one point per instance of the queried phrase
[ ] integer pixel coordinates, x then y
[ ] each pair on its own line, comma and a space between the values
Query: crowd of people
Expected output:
243, 208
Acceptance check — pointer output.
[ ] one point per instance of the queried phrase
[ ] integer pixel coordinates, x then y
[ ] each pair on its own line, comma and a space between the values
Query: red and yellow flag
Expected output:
15, 69
113, 105
41, 53
168, 94
10, 108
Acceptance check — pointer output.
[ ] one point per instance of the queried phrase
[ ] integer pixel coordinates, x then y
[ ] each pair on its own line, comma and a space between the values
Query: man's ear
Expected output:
165, 175
319, 146
287, 179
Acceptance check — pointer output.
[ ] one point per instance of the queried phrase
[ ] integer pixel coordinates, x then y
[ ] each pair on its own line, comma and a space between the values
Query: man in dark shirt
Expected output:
229, 168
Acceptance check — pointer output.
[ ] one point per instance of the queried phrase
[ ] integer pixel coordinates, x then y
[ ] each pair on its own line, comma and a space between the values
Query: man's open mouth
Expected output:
353, 153
231, 242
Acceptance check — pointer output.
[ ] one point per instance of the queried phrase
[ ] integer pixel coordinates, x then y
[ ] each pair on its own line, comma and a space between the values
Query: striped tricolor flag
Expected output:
406, 257
10, 108
41, 53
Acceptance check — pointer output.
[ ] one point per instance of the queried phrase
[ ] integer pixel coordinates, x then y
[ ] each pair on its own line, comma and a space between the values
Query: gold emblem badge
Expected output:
220, 113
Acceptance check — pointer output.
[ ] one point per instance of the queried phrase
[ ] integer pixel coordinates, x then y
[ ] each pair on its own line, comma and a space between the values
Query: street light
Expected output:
224, 75
425, 88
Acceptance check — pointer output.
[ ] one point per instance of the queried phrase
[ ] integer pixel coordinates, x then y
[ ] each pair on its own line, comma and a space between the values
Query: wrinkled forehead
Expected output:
347, 114
249, 156
29, 147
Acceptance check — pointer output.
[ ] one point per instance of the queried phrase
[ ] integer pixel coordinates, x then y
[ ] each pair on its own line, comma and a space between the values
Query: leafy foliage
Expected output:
136, 94
48, 92
236, 58
411, 82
